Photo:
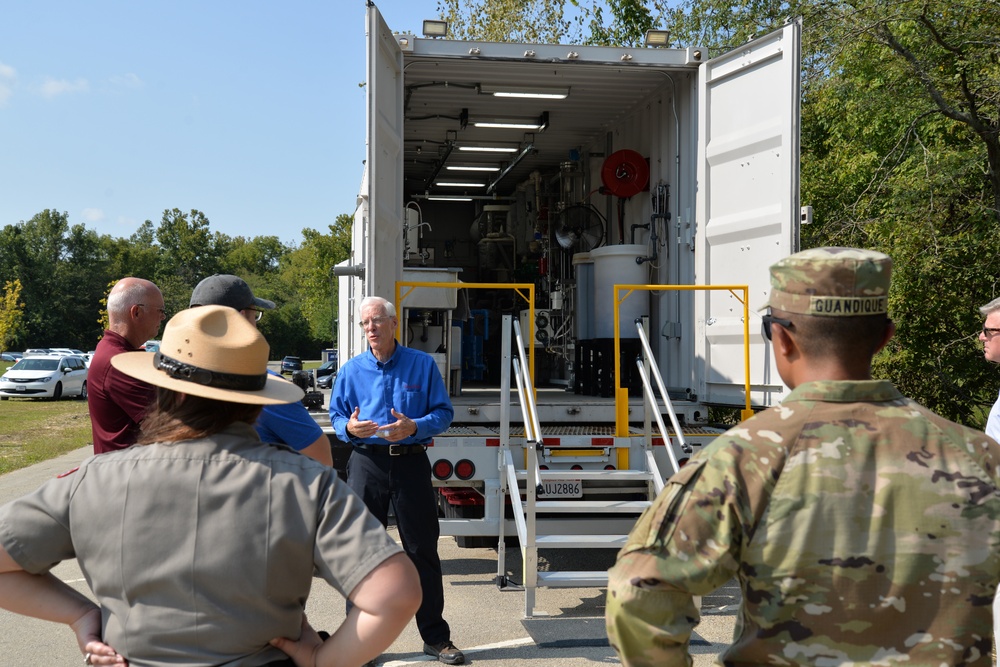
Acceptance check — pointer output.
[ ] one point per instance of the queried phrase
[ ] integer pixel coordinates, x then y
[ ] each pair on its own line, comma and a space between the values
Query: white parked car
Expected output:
49, 376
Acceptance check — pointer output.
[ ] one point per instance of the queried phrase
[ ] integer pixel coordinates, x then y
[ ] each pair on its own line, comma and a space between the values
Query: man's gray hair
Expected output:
121, 301
992, 307
385, 304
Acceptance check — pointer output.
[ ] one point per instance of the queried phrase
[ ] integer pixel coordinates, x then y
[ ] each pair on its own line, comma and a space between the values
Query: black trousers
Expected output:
405, 481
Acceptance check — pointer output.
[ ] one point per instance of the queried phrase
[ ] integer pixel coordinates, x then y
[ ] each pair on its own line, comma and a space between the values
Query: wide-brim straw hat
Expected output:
212, 352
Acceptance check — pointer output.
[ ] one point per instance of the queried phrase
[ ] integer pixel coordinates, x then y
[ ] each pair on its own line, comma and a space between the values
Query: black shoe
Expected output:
446, 653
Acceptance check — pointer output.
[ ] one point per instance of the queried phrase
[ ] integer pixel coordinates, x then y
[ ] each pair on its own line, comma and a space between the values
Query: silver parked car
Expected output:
50, 376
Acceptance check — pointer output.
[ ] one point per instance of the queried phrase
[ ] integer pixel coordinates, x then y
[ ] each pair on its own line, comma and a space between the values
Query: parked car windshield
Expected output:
36, 364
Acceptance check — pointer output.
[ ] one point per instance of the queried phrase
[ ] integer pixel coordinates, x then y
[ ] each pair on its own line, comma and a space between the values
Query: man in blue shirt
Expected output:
389, 402
287, 424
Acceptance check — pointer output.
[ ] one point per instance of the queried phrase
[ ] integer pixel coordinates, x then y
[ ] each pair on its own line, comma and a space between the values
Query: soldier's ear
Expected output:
784, 342
890, 331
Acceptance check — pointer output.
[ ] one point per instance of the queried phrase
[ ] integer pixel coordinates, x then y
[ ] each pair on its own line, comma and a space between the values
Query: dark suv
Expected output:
291, 364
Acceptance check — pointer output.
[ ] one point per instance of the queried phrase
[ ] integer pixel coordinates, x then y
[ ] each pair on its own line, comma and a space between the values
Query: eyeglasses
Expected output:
375, 321
257, 313
767, 320
989, 332
162, 312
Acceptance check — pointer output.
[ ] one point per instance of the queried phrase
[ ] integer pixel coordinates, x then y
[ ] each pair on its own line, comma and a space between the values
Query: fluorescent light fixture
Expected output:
469, 167
657, 38
447, 198
525, 91
489, 149
510, 124
435, 28
539, 123
458, 184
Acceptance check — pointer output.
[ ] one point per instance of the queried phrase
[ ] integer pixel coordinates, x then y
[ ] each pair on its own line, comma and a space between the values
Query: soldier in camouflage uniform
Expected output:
863, 528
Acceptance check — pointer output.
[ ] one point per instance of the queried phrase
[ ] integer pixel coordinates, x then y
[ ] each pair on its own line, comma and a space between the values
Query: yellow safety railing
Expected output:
621, 394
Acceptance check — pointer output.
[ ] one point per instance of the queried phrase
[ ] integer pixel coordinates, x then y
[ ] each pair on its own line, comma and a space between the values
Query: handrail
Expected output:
644, 339
533, 436
621, 394
656, 414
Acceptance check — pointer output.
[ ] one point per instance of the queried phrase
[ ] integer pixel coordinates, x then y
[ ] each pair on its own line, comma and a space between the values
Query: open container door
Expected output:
747, 207
377, 239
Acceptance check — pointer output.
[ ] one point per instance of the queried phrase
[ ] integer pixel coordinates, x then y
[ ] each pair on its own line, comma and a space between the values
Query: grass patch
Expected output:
37, 430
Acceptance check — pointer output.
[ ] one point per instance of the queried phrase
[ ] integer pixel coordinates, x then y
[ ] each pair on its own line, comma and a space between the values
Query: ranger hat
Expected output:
212, 352
831, 282
226, 290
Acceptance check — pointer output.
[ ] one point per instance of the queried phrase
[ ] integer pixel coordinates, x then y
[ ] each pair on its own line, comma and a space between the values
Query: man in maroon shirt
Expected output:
118, 402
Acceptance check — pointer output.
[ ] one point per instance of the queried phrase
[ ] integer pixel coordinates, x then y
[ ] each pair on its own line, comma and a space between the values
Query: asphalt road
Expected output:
566, 629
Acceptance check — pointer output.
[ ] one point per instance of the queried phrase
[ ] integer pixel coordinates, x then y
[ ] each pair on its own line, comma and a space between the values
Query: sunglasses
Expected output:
767, 320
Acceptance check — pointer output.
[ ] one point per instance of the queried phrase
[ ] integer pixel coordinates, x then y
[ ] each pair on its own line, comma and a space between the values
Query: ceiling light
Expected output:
469, 167
447, 198
525, 91
539, 123
489, 149
657, 38
458, 184
435, 28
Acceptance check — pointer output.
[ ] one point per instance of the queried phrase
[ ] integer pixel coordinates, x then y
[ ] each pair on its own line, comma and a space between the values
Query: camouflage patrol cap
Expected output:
832, 282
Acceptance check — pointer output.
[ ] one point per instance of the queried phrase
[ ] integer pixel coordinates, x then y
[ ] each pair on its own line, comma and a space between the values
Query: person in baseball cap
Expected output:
287, 424
228, 290
835, 510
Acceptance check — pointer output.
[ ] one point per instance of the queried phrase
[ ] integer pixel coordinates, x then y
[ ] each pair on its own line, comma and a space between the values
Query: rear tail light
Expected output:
465, 469
442, 469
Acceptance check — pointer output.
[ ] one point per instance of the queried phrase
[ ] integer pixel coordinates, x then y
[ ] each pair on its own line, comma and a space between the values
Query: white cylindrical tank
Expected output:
616, 265
583, 265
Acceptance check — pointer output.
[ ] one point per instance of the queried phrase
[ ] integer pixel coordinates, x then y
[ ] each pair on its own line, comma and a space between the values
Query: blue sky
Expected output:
249, 111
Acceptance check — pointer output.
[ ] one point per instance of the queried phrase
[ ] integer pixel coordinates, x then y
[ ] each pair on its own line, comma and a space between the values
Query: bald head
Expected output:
135, 310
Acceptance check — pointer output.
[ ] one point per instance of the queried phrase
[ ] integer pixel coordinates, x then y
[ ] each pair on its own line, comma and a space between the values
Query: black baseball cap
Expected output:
226, 290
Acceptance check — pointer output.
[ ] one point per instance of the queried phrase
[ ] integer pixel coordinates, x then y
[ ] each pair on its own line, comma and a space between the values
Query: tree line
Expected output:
55, 277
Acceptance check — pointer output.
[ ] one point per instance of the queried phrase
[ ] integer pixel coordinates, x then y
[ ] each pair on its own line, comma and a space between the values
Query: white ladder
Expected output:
569, 524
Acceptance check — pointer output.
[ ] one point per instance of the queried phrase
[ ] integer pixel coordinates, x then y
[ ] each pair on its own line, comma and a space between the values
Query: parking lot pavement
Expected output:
488, 624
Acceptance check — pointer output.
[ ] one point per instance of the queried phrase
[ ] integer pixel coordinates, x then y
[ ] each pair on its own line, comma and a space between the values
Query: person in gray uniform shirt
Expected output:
200, 542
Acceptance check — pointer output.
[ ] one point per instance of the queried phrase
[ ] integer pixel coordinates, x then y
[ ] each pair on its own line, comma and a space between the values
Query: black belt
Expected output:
393, 450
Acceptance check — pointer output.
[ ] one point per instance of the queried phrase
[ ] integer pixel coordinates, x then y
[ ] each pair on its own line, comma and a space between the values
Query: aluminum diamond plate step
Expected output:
595, 506
580, 541
568, 579
593, 475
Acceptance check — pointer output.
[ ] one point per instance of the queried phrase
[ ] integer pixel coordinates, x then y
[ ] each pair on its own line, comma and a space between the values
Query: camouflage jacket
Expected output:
862, 527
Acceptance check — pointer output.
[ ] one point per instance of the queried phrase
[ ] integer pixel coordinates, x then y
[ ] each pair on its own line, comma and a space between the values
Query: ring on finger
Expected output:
86, 659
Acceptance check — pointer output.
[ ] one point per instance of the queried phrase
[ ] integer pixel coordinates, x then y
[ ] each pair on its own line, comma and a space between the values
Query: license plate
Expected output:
20, 387
562, 488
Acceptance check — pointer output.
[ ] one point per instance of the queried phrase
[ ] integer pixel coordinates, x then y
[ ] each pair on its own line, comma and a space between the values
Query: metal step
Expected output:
592, 475
580, 541
568, 579
571, 506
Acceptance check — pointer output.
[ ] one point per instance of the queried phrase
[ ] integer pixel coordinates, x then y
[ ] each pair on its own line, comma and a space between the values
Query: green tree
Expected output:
11, 312
60, 270
187, 247
241, 256
892, 161
526, 21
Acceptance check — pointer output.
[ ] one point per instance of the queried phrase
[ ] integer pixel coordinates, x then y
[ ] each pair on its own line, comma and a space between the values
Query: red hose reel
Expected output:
625, 173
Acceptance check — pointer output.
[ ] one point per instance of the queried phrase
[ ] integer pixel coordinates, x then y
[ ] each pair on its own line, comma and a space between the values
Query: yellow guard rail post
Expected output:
621, 394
